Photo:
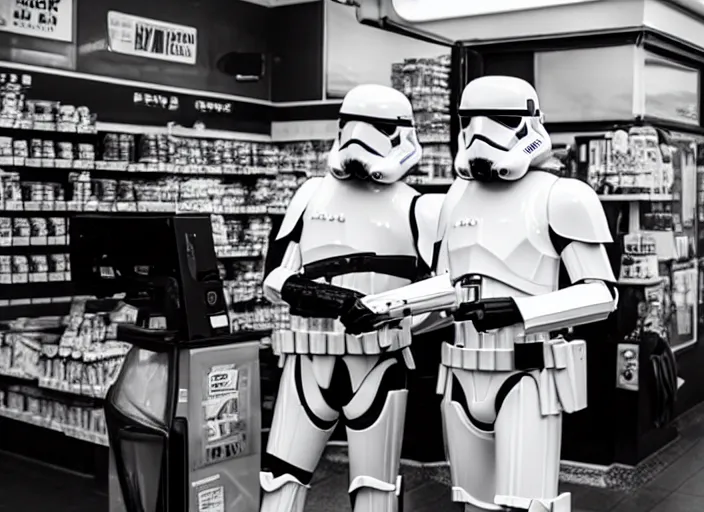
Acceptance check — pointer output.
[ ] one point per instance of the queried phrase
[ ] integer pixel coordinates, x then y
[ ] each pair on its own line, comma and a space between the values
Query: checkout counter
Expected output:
183, 416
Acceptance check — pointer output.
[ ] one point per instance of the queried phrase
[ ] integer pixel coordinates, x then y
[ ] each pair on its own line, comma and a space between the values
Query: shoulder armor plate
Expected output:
575, 212
451, 198
298, 205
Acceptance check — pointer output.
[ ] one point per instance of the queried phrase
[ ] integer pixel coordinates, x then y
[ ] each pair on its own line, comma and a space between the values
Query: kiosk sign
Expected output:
152, 39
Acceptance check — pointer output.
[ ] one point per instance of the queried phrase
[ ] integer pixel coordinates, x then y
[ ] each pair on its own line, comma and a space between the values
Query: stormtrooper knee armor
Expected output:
505, 227
357, 231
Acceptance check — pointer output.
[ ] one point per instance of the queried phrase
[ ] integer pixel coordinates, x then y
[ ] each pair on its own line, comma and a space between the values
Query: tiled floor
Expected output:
30, 487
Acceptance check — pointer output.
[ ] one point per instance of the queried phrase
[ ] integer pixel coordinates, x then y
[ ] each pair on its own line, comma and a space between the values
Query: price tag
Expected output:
6, 160
48, 162
19, 278
45, 127
39, 277
56, 276
33, 206
63, 164
18, 161
66, 127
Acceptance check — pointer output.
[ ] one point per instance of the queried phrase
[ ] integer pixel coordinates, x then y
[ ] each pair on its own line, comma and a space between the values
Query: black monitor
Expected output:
165, 265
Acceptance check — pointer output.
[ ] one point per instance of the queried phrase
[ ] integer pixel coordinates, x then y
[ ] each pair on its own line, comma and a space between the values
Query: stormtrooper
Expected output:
505, 228
359, 230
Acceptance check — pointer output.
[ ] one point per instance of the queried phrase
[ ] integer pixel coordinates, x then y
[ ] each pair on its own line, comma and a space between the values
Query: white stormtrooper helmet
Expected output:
501, 130
376, 139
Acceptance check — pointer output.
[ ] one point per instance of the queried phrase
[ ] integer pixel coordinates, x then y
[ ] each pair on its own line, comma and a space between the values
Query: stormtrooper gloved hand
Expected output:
308, 298
488, 314
359, 319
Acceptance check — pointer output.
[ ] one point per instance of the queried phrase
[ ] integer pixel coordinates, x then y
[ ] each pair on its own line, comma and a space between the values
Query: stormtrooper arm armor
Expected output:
286, 285
426, 212
579, 231
429, 295
290, 266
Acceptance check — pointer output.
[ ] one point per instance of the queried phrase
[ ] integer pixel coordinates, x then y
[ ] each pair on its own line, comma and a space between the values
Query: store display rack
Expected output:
650, 179
58, 160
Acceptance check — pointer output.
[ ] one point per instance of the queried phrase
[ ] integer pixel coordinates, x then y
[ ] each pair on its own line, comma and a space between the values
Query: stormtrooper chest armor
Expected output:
500, 231
344, 218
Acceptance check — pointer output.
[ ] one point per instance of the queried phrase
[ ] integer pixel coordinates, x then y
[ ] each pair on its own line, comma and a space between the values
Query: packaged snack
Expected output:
57, 267
38, 231
21, 231
38, 268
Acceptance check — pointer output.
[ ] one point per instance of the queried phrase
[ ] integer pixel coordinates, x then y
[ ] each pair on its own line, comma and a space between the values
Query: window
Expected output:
671, 90
593, 84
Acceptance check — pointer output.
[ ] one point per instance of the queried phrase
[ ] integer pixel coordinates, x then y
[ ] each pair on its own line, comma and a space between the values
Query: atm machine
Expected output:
183, 416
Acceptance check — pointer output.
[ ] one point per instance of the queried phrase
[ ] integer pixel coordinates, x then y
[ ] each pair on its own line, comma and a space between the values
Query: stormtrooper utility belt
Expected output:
326, 336
559, 367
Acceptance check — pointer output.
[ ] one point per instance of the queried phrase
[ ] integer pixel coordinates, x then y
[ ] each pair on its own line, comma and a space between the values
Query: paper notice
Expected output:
211, 500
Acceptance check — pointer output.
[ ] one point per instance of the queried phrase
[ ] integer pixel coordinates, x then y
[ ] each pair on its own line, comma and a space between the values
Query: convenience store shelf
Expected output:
429, 182
82, 390
70, 431
636, 197
11, 291
68, 208
641, 282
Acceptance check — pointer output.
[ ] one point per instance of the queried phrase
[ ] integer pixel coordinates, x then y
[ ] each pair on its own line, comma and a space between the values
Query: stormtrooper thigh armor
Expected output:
368, 393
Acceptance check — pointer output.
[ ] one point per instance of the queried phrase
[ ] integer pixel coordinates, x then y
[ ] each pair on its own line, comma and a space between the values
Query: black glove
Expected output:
488, 314
309, 298
359, 319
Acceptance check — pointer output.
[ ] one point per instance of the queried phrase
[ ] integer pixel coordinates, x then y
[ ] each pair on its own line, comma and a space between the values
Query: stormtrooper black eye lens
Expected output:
343, 122
464, 121
510, 121
385, 128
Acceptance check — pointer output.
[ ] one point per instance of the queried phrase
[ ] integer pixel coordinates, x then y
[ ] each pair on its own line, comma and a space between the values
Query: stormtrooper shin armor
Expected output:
356, 230
503, 233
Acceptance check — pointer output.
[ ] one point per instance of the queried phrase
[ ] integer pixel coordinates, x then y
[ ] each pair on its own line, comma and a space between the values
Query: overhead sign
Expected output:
419, 11
48, 19
152, 39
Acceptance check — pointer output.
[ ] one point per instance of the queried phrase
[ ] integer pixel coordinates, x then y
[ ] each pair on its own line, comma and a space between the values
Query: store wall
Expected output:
223, 26
296, 44
290, 39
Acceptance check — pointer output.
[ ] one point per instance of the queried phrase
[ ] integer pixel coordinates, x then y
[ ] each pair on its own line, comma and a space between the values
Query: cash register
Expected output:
183, 416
